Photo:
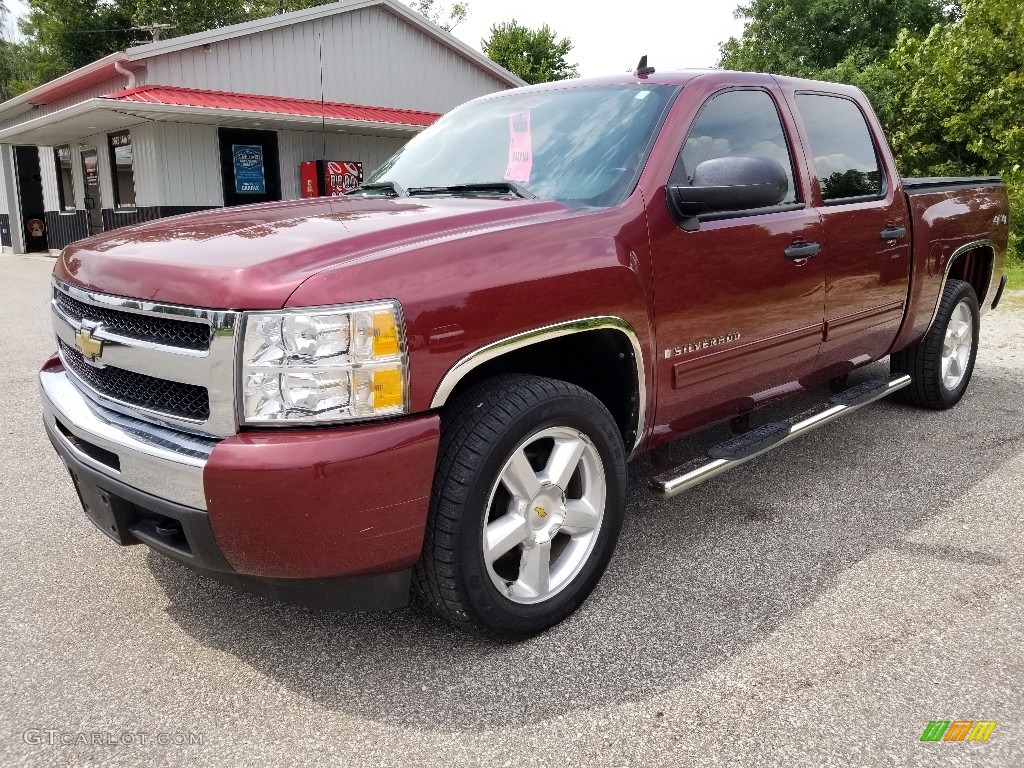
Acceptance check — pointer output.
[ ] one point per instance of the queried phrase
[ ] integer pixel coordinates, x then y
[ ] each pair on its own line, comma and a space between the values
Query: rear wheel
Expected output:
941, 364
526, 506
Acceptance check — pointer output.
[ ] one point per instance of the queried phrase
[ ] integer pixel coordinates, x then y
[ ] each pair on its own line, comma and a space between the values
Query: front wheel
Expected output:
940, 365
526, 506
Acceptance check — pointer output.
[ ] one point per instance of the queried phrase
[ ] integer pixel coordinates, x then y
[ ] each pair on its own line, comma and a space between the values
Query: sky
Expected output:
16, 9
608, 37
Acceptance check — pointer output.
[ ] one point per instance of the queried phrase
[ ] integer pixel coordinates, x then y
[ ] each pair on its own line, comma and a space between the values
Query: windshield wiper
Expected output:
381, 186
507, 187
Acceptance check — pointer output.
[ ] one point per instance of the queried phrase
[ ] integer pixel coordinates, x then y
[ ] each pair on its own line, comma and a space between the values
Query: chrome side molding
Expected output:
741, 449
983, 301
503, 346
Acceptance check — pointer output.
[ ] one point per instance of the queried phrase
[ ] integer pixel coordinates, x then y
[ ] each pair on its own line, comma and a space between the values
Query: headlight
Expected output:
325, 364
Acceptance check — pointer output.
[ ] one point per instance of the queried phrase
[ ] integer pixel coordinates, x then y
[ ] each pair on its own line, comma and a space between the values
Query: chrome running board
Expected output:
743, 448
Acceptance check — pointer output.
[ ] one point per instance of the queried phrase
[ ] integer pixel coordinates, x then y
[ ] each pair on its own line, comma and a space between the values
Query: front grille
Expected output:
184, 401
158, 330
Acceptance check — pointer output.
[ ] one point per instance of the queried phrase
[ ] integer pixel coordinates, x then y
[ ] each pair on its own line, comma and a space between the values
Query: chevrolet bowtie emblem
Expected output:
540, 511
91, 348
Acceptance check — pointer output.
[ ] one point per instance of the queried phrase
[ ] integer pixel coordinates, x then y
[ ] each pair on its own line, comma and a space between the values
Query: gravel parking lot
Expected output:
816, 607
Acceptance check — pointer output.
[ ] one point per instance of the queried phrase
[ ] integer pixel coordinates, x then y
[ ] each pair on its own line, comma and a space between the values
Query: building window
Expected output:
65, 179
122, 169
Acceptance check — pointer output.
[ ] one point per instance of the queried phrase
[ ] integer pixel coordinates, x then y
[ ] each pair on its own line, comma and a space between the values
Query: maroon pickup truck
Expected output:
435, 383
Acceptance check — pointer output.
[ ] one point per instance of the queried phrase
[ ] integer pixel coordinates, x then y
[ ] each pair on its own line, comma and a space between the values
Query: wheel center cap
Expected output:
545, 514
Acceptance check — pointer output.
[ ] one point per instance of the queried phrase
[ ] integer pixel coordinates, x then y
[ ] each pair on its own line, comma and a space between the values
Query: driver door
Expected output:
739, 319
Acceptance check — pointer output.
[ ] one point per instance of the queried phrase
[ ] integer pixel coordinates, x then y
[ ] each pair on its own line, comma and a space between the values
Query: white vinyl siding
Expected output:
369, 57
177, 164
48, 170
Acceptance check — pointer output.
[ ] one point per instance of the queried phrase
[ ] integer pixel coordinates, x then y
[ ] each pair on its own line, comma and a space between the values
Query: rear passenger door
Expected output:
867, 235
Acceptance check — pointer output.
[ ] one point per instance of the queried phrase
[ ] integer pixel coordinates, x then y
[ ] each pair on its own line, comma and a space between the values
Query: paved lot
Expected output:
816, 607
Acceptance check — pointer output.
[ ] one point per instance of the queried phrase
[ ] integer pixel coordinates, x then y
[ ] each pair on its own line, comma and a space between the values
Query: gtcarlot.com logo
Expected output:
54, 737
958, 730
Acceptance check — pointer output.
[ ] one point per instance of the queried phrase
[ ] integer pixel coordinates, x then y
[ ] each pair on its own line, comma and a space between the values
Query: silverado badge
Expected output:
714, 341
90, 347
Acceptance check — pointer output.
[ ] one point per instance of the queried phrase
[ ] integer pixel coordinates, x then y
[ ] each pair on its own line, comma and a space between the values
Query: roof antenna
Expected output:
642, 70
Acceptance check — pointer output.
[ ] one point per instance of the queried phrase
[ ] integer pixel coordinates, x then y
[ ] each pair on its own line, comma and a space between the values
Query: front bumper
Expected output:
331, 517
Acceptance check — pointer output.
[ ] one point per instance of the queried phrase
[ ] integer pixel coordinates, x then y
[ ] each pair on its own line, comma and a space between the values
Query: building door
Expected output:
249, 166
91, 178
30, 191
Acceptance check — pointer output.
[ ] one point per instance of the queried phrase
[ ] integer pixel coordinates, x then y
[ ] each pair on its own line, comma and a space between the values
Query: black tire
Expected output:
923, 361
481, 430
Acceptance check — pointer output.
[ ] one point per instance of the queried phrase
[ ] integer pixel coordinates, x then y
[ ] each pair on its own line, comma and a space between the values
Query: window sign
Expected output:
90, 168
249, 176
520, 148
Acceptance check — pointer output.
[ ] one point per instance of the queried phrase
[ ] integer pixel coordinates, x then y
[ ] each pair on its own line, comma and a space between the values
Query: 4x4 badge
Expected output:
90, 347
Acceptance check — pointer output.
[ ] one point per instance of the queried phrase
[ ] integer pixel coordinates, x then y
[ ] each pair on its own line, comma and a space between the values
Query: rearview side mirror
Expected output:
726, 184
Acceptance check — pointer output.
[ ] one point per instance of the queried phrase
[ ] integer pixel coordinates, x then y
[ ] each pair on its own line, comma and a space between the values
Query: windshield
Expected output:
578, 146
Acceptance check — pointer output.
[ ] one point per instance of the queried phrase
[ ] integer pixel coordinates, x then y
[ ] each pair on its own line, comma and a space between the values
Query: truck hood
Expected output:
254, 257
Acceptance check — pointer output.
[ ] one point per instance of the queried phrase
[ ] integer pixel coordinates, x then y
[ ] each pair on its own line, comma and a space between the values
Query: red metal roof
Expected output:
194, 97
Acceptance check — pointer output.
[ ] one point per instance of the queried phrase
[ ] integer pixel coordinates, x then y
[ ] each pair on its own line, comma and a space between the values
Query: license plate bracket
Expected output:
108, 513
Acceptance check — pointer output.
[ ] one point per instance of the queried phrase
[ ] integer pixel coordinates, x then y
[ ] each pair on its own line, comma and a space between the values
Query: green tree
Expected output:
13, 70
188, 16
954, 100
67, 34
806, 37
535, 55
446, 18
947, 79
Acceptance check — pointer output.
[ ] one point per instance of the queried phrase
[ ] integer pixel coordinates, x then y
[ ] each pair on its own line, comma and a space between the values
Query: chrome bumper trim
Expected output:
160, 461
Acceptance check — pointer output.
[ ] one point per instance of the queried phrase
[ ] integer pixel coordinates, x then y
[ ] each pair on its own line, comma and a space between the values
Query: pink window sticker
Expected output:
520, 148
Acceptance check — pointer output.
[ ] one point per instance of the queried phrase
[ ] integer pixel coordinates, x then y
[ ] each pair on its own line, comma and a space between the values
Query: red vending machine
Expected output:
329, 178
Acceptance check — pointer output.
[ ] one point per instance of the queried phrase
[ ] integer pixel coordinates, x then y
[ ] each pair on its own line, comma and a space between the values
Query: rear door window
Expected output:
845, 159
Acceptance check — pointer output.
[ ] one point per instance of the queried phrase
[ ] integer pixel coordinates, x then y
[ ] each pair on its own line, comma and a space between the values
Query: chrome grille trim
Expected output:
140, 326
212, 369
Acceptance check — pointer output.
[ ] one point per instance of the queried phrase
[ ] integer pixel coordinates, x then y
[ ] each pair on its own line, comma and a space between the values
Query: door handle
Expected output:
799, 251
893, 233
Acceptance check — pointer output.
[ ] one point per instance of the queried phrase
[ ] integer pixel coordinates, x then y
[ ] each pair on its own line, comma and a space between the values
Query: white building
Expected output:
225, 117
